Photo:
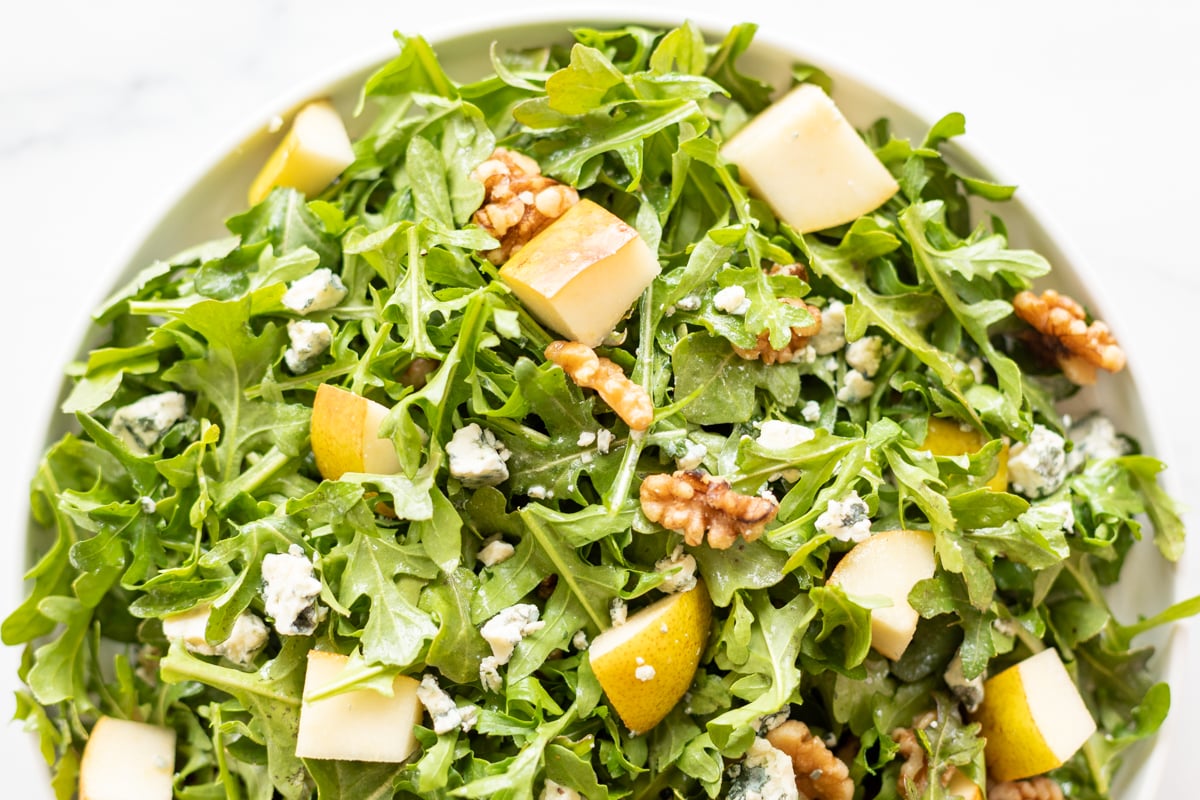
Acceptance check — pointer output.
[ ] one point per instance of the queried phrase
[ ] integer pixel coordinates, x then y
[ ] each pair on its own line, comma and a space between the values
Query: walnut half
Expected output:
1077, 347
820, 775
631, 402
763, 350
1039, 788
519, 201
695, 503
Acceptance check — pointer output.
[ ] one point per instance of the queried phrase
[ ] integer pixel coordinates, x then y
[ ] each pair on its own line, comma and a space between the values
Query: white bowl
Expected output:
219, 190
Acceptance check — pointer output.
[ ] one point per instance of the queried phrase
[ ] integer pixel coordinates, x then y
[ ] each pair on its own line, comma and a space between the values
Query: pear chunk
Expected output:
890, 564
314, 151
345, 434
360, 725
126, 760
581, 273
1033, 718
806, 161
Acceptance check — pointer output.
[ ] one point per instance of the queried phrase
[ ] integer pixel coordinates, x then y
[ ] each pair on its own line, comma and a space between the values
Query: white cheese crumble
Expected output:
477, 457
832, 336
769, 722
811, 411
248, 636
505, 630
580, 640
538, 492
443, 713
291, 592
865, 355
732, 300
1094, 437
847, 520
777, 434
689, 302
678, 571
968, 692
855, 387
765, 773
693, 457
1038, 467
556, 791
142, 423
489, 674
618, 612
604, 440
148, 504
309, 341
644, 673
495, 551
976, 367
320, 290
586, 439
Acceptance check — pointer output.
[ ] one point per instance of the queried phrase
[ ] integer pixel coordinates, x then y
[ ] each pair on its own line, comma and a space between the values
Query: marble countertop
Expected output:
111, 109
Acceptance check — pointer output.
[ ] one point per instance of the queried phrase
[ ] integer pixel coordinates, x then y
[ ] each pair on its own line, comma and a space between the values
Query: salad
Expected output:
574, 432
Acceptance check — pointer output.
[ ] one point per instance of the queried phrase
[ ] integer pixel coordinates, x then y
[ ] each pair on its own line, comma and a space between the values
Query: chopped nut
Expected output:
820, 775
915, 770
1039, 788
795, 269
695, 503
763, 350
417, 373
631, 402
1077, 347
519, 201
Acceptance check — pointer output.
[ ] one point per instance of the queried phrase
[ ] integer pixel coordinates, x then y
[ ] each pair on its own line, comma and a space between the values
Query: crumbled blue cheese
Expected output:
604, 440
689, 302
556, 791
1094, 437
856, 387
811, 411
678, 571
142, 423
248, 636
848, 519
968, 692
477, 457
765, 773
1062, 510
489, 674
580, 640
505, 630
865, 355
644, 673
290, 592
732, 300
443, 713
586, 439
618, 612
776, 434
309, 341
1037, 468
148, 504
320, 290
538, 492
495, 551
832, 336
692, 457
769, 722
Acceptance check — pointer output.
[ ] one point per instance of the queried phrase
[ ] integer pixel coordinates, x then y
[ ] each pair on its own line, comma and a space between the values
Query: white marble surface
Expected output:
109, 109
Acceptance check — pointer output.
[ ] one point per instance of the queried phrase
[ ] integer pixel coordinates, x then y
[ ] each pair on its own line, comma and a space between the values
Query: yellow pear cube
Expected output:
345, 434
1033, 718
806, 161
946, 437
646, 664
581, 273
312, 153
890, 564
126, 760
360, 725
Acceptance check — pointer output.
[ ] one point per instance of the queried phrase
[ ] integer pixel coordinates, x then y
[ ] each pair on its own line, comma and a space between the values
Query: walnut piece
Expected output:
519, 201
1077, 347
820, 775
694, 503
763, 350
1039, 788
914, 771
631, 402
